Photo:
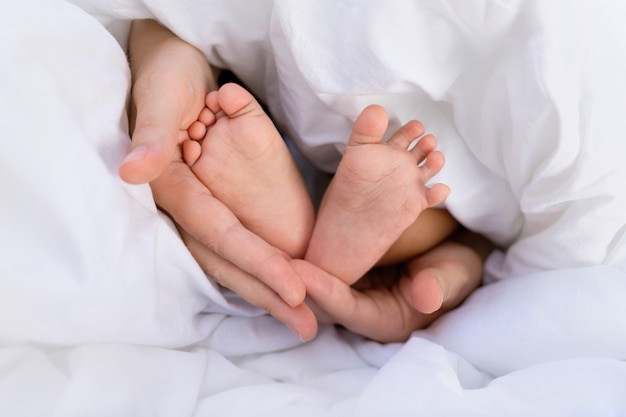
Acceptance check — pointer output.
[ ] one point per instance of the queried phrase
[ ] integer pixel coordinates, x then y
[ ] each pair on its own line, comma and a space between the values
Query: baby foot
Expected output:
377, 192
245, 163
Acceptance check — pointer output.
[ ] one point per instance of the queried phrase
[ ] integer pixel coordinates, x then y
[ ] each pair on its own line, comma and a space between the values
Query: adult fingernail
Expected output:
138, 153
302, 338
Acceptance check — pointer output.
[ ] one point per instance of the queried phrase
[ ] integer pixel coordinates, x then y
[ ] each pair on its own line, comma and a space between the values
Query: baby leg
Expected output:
377, 192
245, 163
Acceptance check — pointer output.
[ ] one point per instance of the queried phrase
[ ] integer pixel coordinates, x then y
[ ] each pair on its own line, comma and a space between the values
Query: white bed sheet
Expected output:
104, 312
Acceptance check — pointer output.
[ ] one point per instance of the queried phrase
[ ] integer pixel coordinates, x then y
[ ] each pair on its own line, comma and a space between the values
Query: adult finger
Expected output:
444, 276
381, 314
300, 319
211, 223
156, 134
170, 81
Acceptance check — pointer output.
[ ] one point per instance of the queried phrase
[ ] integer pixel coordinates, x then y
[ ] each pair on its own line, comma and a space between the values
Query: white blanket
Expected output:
104, 312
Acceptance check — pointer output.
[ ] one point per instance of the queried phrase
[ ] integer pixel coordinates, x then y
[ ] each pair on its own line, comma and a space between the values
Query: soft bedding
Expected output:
104, 312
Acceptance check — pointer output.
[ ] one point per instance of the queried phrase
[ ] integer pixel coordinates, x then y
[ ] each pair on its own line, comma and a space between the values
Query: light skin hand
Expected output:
390, 304
232, 255
171, 79
381, 313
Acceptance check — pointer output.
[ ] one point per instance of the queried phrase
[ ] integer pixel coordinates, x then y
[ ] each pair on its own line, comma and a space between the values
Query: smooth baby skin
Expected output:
246, 164
377, 192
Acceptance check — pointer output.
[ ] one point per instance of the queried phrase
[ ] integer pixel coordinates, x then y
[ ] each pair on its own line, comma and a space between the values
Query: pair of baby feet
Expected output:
377, 192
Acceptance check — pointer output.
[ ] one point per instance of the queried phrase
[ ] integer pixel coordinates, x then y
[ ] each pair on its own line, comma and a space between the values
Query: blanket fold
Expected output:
103, 311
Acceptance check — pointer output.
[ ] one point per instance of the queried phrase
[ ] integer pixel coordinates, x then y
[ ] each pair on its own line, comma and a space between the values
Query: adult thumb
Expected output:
154, 138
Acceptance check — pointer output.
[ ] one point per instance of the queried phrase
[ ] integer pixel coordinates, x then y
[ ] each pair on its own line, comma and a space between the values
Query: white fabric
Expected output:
104, 312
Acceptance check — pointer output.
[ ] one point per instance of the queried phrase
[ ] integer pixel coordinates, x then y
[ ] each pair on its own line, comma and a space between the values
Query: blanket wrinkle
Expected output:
113, 316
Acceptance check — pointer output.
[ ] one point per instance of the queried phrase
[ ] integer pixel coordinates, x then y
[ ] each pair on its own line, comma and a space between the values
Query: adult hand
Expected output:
392, 302
171, 79
232, 255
